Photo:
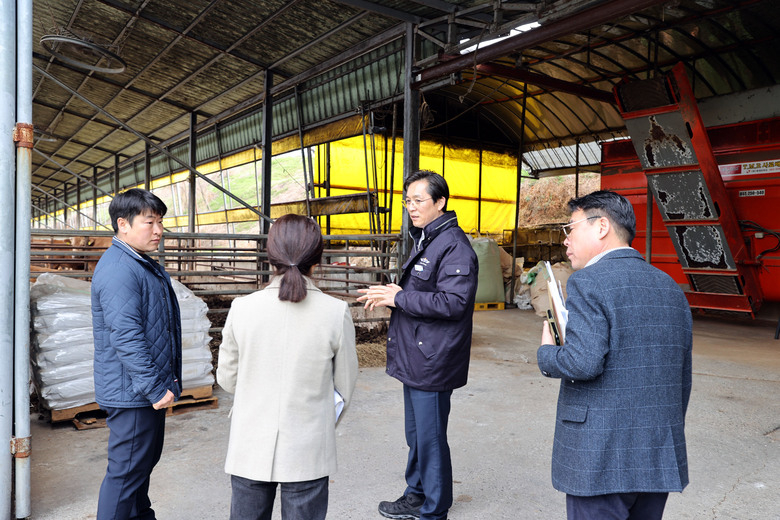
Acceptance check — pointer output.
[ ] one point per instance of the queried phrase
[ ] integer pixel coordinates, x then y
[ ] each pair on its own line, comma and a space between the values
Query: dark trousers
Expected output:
135, 444
254, 499
617, 506
429, 468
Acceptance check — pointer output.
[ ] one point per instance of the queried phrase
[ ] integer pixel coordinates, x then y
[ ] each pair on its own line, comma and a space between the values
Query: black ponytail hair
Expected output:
294, 247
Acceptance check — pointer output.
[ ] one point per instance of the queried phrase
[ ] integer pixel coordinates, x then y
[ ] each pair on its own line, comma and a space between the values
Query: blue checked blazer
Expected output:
625, 371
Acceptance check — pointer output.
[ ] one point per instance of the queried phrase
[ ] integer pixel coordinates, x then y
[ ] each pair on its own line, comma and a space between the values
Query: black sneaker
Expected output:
408, 506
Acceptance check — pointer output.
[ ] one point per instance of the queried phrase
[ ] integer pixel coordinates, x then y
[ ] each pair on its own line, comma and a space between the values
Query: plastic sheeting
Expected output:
496, 184
62, 342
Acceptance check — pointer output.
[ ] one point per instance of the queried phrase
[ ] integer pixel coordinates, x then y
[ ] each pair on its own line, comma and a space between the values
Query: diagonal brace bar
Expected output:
151, 143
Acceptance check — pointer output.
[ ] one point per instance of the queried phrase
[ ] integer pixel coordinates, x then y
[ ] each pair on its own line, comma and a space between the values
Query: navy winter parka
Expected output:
137, 330
429, 338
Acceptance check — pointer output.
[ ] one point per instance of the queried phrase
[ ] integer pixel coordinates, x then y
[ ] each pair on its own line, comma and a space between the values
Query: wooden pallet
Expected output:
489, 306
90, 415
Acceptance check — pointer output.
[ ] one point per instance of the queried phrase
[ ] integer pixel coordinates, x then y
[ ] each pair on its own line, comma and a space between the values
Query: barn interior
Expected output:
106, 95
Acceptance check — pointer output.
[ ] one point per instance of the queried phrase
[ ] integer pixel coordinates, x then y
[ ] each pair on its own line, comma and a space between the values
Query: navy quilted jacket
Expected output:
429, 338
137, 330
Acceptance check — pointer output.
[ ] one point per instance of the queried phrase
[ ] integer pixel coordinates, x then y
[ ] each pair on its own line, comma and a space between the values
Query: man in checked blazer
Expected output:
625, 371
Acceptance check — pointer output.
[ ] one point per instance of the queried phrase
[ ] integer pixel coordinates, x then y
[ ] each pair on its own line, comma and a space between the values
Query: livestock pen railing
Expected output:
218, 267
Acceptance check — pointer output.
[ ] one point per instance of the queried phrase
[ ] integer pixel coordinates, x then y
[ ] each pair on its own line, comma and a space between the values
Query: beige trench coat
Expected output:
282, 360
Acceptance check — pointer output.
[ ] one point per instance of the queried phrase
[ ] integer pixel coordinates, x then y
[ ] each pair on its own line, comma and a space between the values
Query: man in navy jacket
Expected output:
137, 331
429, 341
625, 370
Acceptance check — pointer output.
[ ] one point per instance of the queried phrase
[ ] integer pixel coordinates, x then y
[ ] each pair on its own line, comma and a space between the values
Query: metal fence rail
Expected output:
219, 267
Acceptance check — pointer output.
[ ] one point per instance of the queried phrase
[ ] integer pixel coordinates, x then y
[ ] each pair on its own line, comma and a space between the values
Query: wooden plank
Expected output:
188, 395
199, 392
97, 418
68, 414
189, 405
89, 423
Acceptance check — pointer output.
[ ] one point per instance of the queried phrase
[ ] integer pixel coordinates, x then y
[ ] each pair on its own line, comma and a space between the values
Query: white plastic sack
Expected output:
62, 345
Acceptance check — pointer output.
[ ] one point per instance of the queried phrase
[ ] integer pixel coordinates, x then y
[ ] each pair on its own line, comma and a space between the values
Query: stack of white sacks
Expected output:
62, 343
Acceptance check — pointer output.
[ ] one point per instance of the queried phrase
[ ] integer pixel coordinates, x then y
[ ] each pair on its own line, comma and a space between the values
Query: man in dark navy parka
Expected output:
137, 330
429, 341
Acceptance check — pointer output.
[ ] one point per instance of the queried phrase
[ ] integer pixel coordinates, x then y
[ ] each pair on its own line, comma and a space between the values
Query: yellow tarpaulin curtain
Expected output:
460, 167
487, 209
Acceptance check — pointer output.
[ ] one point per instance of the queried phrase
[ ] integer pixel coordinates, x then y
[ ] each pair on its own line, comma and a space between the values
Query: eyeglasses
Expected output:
409, 203
571, 225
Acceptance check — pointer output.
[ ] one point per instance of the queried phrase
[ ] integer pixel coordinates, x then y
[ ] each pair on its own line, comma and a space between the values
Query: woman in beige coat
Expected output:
284, 351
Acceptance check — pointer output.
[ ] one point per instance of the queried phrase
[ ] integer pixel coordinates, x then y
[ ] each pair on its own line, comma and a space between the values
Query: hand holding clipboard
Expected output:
557, 315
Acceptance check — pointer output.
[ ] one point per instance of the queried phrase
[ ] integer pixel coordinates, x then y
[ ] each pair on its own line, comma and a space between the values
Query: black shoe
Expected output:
408, 506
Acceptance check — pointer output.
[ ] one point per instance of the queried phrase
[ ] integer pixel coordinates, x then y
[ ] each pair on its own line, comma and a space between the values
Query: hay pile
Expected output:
544, 201
371, 346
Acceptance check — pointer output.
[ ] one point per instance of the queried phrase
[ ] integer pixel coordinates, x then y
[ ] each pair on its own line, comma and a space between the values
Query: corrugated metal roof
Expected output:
211, 58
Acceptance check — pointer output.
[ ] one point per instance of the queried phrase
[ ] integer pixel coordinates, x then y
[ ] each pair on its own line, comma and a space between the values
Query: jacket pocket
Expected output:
572, 413
426, 348
456, 269
423, 339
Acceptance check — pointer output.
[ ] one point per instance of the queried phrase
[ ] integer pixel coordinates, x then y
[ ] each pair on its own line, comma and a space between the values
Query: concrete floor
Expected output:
501, 430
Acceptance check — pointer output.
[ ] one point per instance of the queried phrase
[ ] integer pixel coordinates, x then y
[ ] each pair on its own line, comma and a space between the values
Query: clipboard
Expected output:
557, 315
553, 327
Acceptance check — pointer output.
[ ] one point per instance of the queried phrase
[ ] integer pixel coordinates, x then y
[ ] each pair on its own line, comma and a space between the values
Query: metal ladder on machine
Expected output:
674, 150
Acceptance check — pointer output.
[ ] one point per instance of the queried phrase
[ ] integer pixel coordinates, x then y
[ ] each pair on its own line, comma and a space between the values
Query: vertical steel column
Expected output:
411, 129
192, 206
389, 206
147, 168
21, 450
116, 175
54, 199
267, 138
78, 202
65, 202
7, 192
310, 174
517, 197
327, 183
94, 195
479, 196
577, 170
267, 142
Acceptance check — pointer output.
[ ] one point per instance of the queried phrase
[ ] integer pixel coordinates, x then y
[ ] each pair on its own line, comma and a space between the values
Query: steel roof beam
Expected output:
174, 42
74, 113
116, 84
602, 13
384, 11
70, 172
546, 82
441, 5
251, 78
162, 23
319, 39
159, 148
354, 52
